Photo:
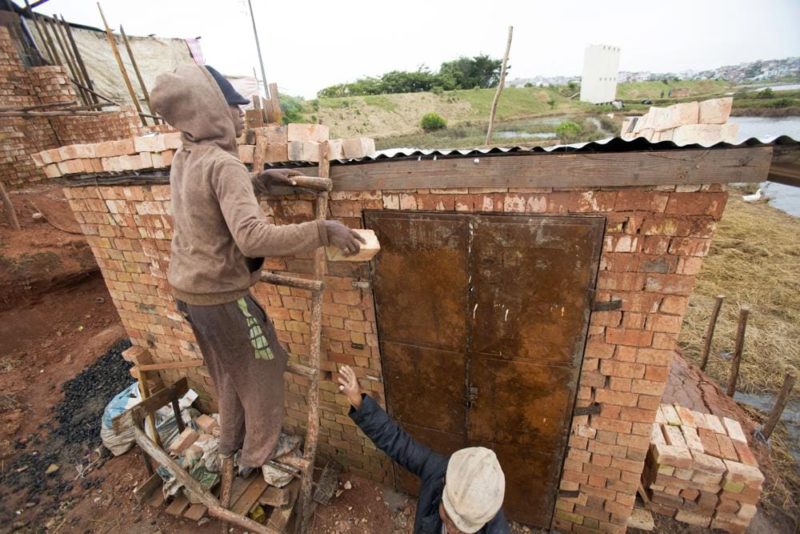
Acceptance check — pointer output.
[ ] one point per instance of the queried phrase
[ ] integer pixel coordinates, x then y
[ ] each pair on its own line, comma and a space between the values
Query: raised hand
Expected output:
348, 384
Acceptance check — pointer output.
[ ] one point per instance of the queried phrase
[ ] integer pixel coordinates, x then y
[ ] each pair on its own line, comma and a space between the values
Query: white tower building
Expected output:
600, 68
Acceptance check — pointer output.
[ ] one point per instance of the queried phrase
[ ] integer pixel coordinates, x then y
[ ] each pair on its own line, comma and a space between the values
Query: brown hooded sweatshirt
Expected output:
220, 234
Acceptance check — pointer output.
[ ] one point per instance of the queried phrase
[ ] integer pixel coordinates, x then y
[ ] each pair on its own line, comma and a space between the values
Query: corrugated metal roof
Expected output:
611, 144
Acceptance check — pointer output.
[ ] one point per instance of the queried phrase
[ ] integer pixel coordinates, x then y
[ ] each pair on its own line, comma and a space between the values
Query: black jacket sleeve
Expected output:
398, 444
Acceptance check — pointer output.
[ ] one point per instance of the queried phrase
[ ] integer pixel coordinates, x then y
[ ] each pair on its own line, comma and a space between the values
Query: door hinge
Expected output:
592, 409
471, 396
608, 305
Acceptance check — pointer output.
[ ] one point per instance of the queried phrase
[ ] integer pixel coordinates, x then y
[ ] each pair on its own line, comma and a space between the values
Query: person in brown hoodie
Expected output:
220, 238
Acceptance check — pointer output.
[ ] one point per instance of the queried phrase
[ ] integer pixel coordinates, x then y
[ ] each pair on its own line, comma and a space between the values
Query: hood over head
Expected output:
190, 100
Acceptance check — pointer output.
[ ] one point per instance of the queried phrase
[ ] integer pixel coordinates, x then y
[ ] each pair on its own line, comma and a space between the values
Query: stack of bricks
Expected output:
705, 123
655, 241
20, 137
701, 471
299, 142
154, 151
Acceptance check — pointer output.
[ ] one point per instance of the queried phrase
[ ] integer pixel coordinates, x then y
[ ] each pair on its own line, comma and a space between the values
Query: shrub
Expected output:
766, 93
433, 121
569, 131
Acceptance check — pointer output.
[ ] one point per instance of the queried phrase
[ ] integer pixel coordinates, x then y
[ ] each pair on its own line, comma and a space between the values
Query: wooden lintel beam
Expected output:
604, 169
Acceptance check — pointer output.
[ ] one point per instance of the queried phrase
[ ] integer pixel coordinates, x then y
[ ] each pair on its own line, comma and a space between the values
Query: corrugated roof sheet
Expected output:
611, 144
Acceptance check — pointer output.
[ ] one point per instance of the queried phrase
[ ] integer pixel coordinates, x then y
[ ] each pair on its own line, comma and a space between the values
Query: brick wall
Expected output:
654, 246
20, 137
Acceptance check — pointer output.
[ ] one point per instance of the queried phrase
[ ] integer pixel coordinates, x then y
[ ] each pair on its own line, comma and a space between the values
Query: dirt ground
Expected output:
57, 321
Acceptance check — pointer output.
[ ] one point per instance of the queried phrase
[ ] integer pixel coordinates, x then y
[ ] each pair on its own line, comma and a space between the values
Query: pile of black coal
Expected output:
71, 438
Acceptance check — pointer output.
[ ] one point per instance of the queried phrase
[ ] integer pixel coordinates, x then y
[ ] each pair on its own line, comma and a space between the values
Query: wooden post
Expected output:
780, 403
275, 104
79, 59
112, 41
11, 213
136, 70
500, 85
312, 432
737, 353
226, 485
712, 324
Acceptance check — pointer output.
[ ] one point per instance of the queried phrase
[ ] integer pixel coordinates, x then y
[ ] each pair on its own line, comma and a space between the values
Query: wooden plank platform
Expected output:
246, 493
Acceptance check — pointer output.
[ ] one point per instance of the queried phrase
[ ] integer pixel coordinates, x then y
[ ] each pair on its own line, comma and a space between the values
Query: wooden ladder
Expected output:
321, 185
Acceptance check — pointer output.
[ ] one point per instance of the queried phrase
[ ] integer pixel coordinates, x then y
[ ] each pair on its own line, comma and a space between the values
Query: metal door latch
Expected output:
613, 304
472, 396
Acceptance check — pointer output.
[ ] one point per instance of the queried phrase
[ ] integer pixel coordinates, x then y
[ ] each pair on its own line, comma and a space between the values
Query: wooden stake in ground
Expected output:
500, 85
11, 213
737, 353
712, 324
113, 42
780, 403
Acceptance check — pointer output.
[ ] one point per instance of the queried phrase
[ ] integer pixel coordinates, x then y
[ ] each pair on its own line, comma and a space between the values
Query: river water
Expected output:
783, 197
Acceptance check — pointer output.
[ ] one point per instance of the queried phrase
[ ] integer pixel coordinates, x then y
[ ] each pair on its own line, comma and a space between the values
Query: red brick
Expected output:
622, 369
619, 398
613, 425
654, 356
656, 245
675, 284
632, 200
634, 338
689, 246
726, 448
711, 204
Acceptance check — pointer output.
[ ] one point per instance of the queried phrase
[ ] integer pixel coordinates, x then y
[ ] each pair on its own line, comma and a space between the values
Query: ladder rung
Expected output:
292, 281
300, 369
308, 182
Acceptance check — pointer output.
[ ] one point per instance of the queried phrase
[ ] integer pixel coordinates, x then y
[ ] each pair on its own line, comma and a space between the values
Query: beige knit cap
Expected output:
474, 487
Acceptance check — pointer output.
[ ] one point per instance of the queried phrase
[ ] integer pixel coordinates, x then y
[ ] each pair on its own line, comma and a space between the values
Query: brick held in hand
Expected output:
367, 252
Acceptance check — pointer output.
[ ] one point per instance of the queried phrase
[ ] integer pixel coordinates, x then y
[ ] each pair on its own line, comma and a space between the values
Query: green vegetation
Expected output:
462, 73
432, 121
569, 131
292, 108
767, 102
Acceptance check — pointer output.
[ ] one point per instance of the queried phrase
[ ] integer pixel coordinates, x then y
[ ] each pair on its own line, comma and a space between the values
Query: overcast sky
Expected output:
308, 45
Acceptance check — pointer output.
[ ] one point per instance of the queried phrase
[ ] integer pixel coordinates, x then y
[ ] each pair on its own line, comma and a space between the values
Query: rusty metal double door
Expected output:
482, 322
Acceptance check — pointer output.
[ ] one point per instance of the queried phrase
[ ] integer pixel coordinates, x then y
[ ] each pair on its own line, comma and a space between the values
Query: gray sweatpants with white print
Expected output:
248, 377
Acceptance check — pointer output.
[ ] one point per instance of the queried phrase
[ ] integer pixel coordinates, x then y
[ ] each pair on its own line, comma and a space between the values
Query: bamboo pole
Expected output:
712, 325
312, 429
47, 37
11, 213
81, 65
69, 52
258, 47
137, 71
737, 353
59, 113
112, 41
39, 31
500, 85
780, 403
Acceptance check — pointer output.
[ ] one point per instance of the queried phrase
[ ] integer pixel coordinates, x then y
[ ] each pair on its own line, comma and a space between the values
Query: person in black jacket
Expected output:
460, 494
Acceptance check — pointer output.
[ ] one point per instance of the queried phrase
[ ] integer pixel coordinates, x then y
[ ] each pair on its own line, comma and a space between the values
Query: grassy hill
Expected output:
391, 115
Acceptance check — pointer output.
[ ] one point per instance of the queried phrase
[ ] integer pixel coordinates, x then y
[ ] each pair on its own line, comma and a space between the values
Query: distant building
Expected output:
600, 70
